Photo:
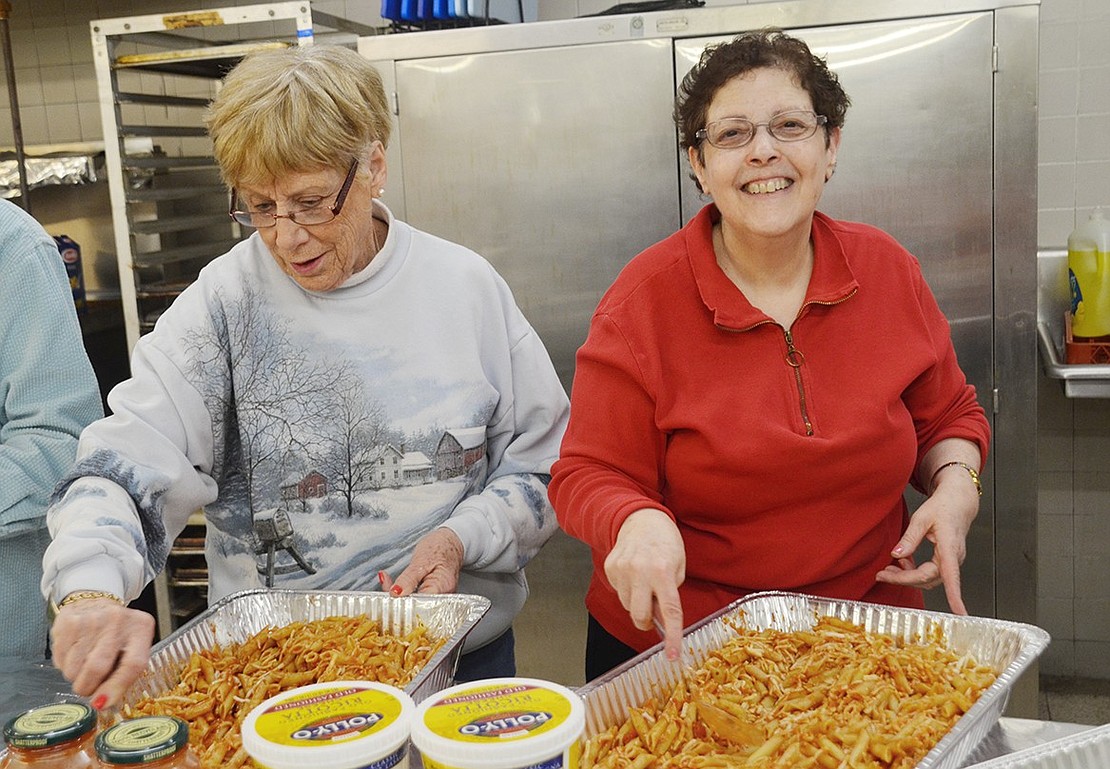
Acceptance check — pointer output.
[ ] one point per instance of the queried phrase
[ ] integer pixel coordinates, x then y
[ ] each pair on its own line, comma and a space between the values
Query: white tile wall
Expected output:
1074, 91
1073, 583
57, 94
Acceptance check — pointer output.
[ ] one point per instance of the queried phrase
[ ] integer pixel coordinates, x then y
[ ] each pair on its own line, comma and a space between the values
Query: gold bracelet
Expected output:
82, 595
970, 471
89, 595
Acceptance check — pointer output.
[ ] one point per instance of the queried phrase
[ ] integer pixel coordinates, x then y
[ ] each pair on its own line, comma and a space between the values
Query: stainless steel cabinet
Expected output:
556, 164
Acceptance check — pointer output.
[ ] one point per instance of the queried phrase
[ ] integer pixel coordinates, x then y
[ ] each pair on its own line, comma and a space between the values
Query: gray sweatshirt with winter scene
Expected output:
322, 433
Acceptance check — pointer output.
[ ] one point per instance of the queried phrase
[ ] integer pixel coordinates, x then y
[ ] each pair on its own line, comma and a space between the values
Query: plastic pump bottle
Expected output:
1089, 277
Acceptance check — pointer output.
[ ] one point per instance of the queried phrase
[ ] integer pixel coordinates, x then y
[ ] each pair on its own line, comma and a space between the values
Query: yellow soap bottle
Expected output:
1089, 277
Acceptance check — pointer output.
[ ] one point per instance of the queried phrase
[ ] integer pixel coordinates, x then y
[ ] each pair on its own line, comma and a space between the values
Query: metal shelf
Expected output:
211, 63
161, 100
163, 162
162, 290
161, 130
1053, 299
180, 223
1079, 380
191, 607
177, 192
182, 253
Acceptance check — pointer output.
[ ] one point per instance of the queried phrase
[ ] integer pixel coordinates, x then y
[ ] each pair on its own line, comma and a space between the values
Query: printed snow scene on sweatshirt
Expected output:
321, 487
146, 489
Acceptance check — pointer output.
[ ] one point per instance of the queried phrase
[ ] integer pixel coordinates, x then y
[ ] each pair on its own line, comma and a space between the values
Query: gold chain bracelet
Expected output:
970, 471
82, 595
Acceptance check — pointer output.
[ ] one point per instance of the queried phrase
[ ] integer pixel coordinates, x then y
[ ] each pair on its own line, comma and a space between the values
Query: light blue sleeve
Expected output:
48, 391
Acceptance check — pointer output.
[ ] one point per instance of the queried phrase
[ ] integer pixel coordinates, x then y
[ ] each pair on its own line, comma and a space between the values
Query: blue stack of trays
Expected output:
429, 10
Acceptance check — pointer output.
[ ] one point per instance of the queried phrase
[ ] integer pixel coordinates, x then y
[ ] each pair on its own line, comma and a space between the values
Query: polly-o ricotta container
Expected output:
500, 723
336, 725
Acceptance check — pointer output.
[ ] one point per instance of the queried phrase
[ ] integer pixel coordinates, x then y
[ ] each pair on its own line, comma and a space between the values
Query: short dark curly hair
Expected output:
766, 48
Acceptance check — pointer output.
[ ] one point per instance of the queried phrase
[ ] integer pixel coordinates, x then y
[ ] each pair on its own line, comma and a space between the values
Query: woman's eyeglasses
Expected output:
733, 132
306, 217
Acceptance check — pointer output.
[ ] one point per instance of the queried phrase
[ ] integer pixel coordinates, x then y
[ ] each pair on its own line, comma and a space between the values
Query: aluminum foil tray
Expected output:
69, 169
1010, 647
1083, 750
239, 616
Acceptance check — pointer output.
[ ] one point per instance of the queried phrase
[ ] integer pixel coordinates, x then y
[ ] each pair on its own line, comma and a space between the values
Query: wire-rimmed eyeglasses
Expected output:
732, 132
306, 217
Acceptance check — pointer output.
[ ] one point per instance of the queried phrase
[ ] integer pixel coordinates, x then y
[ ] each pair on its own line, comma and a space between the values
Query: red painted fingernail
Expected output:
381, 577
100, 702
396, 590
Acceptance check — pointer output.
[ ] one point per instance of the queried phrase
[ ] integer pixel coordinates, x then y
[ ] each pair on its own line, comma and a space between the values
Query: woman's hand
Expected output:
944, 519
434, 567
646, 566
101, 648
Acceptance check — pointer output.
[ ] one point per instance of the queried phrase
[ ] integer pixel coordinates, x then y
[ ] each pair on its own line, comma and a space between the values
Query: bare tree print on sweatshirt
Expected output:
357, 426
260, 389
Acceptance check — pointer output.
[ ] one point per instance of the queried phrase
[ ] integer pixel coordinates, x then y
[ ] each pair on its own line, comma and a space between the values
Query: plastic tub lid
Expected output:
499, 723
334, 725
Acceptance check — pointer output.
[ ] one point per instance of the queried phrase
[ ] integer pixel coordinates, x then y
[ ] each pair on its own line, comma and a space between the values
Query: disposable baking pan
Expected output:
239, 616
1083, 750
1010, 647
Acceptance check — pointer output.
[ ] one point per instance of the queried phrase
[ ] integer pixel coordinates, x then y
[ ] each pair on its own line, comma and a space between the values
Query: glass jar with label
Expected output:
58, 736
150, 742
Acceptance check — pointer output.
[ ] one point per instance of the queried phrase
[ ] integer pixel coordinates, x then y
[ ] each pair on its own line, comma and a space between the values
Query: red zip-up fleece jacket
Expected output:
779, 476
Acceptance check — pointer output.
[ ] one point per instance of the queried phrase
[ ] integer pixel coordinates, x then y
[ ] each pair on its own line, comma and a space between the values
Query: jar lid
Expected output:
142, 740
333, 725
498, 723
50, 725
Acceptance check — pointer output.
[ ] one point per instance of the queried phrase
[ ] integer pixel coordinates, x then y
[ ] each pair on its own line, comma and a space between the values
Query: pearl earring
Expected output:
381, 191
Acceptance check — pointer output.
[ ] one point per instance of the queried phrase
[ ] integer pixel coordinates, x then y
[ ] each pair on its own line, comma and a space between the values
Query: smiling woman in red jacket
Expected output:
757, 390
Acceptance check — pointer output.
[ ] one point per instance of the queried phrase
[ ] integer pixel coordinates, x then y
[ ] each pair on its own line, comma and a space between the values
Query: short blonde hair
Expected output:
294, 110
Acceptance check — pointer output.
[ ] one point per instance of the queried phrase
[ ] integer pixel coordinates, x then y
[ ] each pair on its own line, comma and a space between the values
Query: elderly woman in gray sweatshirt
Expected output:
353, 403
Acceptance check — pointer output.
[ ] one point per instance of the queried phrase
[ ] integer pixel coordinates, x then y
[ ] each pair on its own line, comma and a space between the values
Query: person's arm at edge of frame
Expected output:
49, 353
51, 388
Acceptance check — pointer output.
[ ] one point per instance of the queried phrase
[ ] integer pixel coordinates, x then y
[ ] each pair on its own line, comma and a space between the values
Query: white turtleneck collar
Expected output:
382, 257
